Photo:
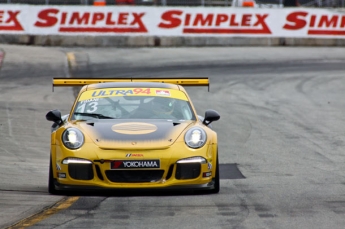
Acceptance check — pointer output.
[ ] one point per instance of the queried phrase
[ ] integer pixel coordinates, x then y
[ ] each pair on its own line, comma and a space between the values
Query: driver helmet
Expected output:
162, 105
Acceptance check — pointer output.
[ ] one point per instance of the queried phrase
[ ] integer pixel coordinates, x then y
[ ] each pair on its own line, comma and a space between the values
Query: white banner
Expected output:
172, 21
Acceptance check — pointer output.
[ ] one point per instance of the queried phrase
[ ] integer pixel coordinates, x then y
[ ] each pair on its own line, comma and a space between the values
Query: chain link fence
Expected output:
225, 3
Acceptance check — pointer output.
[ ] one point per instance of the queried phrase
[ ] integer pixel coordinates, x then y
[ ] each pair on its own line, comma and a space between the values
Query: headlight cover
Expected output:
195, 137
73, 138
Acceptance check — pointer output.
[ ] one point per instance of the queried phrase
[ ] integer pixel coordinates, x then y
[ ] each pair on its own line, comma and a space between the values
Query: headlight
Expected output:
195, 137
72, 138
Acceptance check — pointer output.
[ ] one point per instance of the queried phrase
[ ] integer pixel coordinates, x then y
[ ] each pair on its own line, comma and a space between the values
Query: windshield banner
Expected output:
111, 92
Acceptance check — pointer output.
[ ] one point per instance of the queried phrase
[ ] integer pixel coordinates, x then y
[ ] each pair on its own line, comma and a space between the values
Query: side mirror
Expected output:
210, 116
54, 116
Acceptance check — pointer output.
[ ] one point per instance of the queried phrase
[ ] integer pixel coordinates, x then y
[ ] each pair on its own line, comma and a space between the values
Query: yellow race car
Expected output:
133, 134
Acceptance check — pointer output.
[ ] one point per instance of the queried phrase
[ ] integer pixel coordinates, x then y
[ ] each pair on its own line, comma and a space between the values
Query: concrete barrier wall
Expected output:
149, 41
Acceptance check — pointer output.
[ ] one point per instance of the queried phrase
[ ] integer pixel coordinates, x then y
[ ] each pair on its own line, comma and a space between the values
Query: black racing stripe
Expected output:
104, 131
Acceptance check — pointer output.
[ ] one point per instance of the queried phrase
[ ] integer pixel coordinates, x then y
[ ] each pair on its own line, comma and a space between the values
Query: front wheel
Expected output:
216, 185
216, 180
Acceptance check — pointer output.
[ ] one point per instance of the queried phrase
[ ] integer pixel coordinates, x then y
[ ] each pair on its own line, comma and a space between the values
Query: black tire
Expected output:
216, 186
216, 179
51, 185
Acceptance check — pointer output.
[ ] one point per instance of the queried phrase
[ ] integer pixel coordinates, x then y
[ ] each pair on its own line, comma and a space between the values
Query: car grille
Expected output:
132, 176
187, 171
80, 171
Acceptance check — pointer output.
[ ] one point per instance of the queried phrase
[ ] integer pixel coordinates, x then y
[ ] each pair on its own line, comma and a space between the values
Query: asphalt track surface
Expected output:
282, 123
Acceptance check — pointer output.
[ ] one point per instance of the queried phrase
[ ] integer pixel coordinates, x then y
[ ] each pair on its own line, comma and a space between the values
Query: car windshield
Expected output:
133, 103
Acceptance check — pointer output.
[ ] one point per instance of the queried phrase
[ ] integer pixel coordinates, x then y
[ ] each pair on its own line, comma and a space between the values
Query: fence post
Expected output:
8, 1
203, 2
47, 2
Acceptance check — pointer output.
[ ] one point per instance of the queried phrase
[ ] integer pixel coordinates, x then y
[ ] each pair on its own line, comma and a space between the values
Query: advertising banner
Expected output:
172, 21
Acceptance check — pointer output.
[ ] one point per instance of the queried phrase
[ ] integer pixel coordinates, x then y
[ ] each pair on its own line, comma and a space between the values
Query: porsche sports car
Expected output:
133, 134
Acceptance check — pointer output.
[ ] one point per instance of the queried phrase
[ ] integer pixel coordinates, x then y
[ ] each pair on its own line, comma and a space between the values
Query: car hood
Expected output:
133, 134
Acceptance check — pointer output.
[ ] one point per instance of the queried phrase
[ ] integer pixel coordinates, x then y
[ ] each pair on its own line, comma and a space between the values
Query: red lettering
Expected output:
342, 25
12, 16
122, 19
246, 19
261, 19
63, 18
328, 22
232, 20
108, 21
171, 19
97, 17
187, 19
1, 15
80, 19
203, 21
312, 21
47, 17
221, 18
296, 21
137, 18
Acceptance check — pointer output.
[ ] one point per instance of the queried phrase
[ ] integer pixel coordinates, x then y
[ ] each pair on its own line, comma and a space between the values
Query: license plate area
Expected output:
135, 164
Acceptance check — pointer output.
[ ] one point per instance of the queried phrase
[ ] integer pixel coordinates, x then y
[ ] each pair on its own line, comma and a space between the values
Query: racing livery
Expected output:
133, 134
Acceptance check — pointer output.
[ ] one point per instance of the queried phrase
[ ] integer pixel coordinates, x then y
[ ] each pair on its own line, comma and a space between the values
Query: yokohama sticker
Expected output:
216, 23
134, 164
91, 22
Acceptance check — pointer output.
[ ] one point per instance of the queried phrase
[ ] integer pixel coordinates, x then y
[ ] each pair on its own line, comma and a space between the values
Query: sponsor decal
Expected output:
163, 92
177, 21
58, 166
209, 166
133, 164
206, 174
134, 155
89, 101
215, 23
61, 175
91, 22
9, 21
113, 92
316, 24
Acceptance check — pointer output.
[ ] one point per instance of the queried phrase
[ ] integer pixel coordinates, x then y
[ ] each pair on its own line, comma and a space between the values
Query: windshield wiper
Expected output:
94, 115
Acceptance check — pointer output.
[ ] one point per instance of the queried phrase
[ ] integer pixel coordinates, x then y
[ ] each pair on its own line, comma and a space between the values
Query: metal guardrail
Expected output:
225, 3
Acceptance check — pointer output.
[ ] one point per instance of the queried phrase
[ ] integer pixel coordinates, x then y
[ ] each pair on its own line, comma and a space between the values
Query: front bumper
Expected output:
97, 173
63, 187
